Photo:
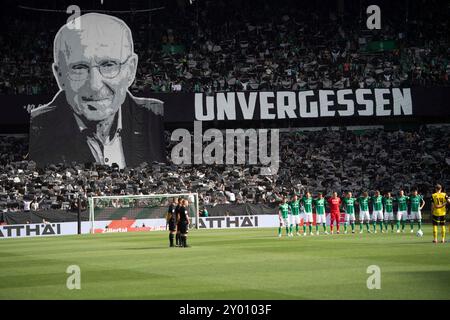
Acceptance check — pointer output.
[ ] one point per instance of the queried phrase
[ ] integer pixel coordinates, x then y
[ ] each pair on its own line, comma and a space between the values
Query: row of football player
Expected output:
382, 213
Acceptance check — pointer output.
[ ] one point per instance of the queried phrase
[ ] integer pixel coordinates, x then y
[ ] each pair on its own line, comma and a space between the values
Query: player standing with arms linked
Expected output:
364, 216
183, 218
335, 208
283, 215
349, 205
321, 218
307, 202
438, 210
388, 203
402, 210
377, 212
171, 219
417, 203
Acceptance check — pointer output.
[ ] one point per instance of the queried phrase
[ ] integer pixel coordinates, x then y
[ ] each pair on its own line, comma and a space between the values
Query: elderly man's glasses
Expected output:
107, 68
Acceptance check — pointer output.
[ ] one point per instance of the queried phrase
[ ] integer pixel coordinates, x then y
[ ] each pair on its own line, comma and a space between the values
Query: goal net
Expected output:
136, 212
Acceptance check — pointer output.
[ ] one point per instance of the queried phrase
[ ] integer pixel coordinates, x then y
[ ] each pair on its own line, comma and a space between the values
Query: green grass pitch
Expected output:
226, 264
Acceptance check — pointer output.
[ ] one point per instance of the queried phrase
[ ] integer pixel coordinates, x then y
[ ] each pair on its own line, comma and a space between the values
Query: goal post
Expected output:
138, 208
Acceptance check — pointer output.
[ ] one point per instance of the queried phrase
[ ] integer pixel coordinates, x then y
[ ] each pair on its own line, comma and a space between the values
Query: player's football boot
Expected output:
298, 234
435, 241
279, 235
326, 232
398, 231
412, 230
317, 233
345, 232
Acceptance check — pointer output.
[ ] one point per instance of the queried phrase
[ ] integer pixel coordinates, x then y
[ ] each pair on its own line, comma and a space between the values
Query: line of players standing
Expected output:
177, 219
291, 212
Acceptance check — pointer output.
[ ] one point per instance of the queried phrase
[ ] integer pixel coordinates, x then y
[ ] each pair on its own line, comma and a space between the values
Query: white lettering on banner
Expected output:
286, 108
380, 102
313, 110
226, 106
266, 105
325, 103
402, 101
360, 99
248, 109
347, 102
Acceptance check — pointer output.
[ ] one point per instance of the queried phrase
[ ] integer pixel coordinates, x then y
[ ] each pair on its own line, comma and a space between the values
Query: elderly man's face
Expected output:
95, 70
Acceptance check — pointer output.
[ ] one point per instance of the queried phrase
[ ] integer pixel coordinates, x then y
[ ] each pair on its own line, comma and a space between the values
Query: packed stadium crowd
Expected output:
342, 160
225, 46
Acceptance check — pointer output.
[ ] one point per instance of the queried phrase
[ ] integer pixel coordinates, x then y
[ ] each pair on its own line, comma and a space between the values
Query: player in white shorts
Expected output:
417, 204
364, 216
283, 215
307, 202
388, 202
402, 202
377, 212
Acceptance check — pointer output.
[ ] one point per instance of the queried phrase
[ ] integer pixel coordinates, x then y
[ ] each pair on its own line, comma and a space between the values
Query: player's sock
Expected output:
381, 225
290, 228
279, 231
287, 230
403, 225
310, 227
345, 226
317, 227
171, 239
324, 227
360, 226
185, 241
296, 228
412, 224
386, 225
331, 227
177, 238
398, 224
419, 222
435, 232
304, 228
443, 233
353, 226
367, 226
392, 225
338, 226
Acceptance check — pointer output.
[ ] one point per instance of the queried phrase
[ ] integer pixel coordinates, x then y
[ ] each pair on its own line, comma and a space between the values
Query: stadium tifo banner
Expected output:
311, 105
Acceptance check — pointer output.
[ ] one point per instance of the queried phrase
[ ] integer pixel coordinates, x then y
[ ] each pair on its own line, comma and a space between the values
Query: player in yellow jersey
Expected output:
438, 209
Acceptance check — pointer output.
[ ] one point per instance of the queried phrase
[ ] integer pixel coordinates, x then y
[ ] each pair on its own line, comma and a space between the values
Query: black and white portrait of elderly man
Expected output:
94, 117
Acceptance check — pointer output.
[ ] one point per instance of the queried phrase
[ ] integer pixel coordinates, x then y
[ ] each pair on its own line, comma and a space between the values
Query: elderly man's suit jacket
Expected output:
56, 138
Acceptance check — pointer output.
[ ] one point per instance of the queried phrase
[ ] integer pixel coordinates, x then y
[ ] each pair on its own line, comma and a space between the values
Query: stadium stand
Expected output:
339, 160
249, 47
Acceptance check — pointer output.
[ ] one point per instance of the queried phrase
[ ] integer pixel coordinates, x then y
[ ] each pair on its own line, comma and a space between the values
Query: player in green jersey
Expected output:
294, 205
364, 217
307, 202
349, 207
319, 205
417, 203
388, 203
377, 211
283, 215
402, 210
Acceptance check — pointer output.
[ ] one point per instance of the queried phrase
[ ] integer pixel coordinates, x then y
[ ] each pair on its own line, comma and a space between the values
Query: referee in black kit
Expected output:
177, 212
172, 220
183, 223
